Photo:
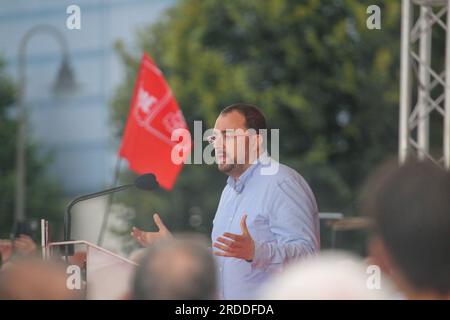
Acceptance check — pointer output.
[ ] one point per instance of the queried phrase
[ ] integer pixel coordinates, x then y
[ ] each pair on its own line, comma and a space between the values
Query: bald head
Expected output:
34, 279
176, 268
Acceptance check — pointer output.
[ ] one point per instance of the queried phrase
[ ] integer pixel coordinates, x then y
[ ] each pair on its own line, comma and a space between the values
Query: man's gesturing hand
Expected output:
148, 238
239, 246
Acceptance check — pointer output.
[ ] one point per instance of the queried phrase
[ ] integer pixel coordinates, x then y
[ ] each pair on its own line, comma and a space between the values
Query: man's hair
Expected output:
410, 206
254, 118
179, 268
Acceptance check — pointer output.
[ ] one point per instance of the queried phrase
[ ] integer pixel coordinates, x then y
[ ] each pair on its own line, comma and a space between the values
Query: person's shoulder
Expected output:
276, 173
284, 180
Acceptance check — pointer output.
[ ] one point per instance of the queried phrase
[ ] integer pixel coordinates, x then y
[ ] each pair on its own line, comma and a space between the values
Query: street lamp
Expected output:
65, 82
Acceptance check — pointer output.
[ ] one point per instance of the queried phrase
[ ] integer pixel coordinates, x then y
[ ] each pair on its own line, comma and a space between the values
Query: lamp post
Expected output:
64, 83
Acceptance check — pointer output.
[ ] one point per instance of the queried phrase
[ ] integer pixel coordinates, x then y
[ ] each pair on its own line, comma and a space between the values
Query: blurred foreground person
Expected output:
35, 279
21, 246
328, 276
410, 206
179, 268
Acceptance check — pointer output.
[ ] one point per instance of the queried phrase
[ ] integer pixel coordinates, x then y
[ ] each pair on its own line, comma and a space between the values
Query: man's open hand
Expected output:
239, 246
148, 238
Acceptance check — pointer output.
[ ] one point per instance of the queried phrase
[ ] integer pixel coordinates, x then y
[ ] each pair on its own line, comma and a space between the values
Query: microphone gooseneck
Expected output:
144, 182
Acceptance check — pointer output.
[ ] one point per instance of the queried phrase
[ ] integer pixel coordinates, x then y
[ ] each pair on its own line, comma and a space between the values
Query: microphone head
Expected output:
146, 182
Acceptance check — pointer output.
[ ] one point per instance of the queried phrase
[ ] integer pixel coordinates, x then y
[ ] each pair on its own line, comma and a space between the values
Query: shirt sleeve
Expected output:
293, 219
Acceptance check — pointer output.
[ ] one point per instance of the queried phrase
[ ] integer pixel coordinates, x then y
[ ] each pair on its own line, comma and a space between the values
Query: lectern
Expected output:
107, 275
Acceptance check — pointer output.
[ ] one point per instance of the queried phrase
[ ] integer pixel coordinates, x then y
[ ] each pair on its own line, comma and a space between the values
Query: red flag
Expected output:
154, 114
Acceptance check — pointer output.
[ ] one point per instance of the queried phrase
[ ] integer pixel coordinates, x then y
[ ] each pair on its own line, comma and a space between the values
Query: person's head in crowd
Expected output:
410, 207
332, 275
176, 268
35, 279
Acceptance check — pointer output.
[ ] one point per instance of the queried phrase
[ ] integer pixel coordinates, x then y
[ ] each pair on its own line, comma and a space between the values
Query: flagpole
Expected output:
109, 203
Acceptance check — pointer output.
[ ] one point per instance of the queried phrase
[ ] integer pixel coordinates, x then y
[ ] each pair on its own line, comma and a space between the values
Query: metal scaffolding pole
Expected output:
433, 89
405, 80
446, 138
423, 129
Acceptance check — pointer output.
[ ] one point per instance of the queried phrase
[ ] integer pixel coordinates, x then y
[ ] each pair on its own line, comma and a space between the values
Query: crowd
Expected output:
409, 254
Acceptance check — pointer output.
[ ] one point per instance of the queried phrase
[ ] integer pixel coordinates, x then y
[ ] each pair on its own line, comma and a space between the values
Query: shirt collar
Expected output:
239, 184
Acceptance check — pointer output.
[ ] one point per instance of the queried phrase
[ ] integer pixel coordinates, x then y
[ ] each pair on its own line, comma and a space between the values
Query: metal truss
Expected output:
419, 19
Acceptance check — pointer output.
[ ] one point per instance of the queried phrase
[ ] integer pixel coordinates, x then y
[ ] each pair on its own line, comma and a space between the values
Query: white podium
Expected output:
108, 275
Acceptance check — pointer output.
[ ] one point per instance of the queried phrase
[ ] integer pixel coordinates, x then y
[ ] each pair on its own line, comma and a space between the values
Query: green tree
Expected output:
42, 194
318, 73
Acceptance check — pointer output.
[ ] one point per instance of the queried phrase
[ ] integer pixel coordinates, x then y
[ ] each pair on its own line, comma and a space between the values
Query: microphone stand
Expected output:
69, 248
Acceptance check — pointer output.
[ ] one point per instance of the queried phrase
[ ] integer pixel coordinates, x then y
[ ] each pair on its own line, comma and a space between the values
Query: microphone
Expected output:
144, 182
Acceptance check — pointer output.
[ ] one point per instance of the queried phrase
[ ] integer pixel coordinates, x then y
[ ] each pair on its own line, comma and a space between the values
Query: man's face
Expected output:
232, 143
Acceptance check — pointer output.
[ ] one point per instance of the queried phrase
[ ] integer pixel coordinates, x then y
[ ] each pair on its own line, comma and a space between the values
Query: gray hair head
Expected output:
178, 268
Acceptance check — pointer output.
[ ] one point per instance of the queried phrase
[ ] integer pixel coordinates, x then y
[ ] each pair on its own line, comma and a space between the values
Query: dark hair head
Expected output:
254, 118
410, 206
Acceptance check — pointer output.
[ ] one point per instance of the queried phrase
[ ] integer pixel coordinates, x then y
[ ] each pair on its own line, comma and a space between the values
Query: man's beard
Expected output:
224, 163
226, 167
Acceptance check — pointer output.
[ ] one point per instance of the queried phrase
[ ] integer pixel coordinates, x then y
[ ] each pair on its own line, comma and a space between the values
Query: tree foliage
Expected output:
42, 195
318, 73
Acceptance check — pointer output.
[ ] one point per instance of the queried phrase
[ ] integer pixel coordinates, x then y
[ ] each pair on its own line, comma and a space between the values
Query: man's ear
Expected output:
259, 140
252, 141
379, 255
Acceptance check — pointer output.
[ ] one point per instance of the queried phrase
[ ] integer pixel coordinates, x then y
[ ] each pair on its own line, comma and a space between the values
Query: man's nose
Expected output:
219, 142
219, 149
